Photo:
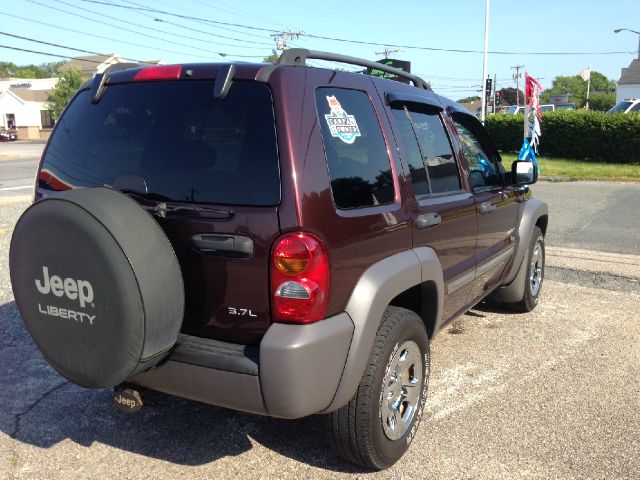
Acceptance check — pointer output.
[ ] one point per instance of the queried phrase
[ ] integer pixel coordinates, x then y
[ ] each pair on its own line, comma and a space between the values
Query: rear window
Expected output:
359, 166
172, 139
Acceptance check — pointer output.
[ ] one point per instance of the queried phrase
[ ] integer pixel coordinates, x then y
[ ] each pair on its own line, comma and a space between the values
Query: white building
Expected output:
24, 107
94, 64
629, 84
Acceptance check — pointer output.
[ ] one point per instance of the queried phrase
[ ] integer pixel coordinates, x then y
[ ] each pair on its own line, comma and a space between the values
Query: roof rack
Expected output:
298, 56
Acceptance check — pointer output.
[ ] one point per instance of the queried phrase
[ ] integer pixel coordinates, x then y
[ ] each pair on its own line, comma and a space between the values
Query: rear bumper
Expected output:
295, 372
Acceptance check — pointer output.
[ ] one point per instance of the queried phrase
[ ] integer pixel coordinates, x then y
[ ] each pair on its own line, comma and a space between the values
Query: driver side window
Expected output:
484, 169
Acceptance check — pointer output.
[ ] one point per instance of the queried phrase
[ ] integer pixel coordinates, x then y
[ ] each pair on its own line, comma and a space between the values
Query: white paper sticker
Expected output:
341, 124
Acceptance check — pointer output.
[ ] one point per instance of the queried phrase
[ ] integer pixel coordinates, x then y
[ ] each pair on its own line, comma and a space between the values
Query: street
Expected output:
549, 394
601, 216
18, 164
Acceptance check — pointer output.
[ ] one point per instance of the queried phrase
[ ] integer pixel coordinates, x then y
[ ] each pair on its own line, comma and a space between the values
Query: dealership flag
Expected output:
585, 74
532, 120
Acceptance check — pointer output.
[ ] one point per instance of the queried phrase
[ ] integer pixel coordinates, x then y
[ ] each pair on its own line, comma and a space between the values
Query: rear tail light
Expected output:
299, 278
161, 72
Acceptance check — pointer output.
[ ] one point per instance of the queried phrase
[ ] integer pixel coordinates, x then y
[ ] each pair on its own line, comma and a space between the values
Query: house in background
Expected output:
629, 84
24, 106
94, 64
23, 101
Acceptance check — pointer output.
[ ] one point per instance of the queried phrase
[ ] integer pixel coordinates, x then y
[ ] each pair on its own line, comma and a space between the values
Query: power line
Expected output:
180, 26
44, 53
281, 38
198, 21
361, 42
517, 76
95, 35
242, 13
451, 50
187, 17
62, 46
146, 35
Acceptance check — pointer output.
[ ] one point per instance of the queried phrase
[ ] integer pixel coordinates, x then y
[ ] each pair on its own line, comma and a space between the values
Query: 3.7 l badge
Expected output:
242, 312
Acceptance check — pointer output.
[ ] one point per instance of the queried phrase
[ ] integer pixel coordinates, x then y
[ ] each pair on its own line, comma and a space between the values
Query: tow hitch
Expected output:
128, 400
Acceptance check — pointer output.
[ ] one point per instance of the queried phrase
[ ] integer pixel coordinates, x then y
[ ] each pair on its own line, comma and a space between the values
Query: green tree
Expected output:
509, 96
601, 102
469, 99
63, 92
50, 69
272, 58
44, 70
576, 87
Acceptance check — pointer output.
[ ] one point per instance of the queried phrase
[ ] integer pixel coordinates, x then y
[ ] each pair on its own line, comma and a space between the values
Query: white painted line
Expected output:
24, 187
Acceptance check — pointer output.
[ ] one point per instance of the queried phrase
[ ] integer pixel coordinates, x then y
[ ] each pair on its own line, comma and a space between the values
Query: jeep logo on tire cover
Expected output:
80, 290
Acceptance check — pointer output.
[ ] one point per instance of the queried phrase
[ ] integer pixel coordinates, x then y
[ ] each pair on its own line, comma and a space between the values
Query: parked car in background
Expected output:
515, 109
8, 135
565, 106
626, 106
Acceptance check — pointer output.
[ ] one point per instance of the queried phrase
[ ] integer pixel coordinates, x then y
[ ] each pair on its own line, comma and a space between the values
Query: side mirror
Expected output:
524, 173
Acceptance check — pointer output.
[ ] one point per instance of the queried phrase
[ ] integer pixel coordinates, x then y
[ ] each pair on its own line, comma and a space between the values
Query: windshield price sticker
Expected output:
341, 124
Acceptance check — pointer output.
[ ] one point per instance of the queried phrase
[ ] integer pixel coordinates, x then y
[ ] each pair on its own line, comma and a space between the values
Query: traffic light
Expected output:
498, 98
488, 88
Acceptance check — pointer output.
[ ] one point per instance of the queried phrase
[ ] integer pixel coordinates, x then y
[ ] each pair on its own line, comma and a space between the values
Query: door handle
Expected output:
486, 207
428, 220
235, 246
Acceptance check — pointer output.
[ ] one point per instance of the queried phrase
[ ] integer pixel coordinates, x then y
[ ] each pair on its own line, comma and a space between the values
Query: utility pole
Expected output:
281, 38
495, 89
517, 76
386, 52
589, 85
483, 112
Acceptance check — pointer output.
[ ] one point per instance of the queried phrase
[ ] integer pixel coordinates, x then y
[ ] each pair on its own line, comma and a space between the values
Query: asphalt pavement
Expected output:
18, 164
600, 216
549, 394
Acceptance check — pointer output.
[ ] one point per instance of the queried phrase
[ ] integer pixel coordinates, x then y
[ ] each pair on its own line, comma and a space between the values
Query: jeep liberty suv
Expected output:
276, 239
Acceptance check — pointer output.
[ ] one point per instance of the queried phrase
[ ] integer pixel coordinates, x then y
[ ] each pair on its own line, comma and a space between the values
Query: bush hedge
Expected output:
580, 134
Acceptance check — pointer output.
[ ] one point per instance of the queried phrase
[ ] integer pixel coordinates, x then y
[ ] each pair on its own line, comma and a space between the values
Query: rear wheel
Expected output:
377, 426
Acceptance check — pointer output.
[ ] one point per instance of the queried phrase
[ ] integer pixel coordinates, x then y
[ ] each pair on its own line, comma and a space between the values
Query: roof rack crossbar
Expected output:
298, 57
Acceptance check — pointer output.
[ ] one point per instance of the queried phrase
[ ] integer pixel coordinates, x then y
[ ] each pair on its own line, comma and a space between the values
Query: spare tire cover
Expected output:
97, 284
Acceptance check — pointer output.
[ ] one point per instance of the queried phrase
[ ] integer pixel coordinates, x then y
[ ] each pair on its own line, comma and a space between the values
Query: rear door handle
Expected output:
234, 246
486, 207
428, 220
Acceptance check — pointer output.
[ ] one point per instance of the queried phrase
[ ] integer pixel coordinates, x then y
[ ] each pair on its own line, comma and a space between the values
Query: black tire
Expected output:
535, 270
97, 284
357, 428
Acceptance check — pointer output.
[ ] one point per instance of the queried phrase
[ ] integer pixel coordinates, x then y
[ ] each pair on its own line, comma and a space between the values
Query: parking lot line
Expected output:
23, 187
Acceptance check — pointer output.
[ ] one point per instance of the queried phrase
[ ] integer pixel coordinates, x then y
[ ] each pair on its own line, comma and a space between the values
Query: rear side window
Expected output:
172, 139
436, 152
426, 144
359, 166
407, 137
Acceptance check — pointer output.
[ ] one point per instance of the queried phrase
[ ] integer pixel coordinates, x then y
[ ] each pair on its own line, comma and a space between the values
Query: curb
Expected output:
556, 178
591, 262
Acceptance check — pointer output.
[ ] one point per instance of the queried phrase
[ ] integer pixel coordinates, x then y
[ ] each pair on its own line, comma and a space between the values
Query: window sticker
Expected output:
341, 124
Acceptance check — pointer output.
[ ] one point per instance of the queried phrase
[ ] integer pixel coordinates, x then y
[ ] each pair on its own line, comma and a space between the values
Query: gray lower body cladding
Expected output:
295, 372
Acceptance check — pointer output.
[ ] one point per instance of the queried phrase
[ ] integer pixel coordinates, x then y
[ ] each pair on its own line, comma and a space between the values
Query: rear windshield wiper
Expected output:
165, 209
158, 205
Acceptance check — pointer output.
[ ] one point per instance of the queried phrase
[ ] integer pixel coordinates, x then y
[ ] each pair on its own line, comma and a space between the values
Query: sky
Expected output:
515, 26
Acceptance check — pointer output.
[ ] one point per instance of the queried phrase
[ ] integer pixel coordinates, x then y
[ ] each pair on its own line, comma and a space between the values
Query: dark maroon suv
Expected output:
277, 239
